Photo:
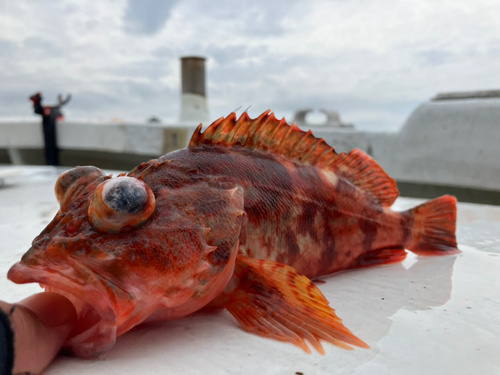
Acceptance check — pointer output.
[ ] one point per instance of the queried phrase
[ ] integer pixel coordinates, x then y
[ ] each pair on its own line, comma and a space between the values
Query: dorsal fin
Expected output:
268, 134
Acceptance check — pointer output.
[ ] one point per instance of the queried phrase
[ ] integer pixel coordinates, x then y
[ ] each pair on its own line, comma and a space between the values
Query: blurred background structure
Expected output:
367, 69
194, 107
447, 145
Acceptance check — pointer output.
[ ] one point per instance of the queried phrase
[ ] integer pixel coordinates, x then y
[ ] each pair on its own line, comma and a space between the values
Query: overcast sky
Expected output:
372, 60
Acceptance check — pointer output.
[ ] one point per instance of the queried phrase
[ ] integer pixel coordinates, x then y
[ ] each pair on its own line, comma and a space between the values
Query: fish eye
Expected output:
121, 204
69, 181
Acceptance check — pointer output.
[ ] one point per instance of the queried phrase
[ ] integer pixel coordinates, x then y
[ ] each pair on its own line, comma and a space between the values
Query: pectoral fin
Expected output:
272, 300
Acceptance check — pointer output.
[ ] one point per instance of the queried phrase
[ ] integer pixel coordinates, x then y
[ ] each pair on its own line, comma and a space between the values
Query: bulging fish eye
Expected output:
121, 204
68, 182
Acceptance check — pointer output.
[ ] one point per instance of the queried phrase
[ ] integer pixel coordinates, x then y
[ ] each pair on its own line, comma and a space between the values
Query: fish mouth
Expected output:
101, 305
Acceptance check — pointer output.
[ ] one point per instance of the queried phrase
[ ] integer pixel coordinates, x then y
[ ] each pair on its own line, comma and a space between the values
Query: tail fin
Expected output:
434, 225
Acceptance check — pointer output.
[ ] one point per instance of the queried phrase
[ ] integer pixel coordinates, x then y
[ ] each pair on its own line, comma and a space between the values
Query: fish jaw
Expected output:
101, 305
106, 310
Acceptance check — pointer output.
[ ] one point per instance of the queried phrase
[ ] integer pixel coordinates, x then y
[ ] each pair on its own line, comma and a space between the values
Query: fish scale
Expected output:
278, 210
240, 219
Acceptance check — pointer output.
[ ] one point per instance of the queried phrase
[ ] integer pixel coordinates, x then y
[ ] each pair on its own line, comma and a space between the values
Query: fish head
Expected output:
126, 249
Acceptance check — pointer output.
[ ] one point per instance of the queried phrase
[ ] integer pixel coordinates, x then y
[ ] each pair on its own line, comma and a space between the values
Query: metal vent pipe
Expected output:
194, 108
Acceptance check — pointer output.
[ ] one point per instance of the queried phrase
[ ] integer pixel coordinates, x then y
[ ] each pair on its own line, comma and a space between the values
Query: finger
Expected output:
41, 324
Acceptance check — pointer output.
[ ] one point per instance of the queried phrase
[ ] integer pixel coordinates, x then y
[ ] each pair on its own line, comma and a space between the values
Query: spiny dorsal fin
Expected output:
267, 133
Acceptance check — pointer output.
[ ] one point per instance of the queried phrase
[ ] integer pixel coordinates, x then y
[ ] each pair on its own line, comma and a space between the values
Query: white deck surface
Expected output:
438, 315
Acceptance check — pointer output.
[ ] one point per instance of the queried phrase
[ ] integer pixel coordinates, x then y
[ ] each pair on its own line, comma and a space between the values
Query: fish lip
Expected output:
83, 287
95, 293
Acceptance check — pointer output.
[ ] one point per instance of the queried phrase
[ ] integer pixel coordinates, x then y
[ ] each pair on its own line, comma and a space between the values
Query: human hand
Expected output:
40, 324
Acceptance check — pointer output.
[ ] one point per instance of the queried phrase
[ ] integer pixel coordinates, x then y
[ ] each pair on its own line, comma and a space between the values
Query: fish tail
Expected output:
433, 230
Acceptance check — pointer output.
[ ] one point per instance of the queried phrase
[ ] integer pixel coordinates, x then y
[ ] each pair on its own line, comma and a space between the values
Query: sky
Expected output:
374, 61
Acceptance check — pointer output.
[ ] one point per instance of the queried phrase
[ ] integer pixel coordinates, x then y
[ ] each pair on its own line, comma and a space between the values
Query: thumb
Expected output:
41, 324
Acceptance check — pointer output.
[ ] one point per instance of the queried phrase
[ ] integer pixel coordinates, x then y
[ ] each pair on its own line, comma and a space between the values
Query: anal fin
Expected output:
272, 300
380, 256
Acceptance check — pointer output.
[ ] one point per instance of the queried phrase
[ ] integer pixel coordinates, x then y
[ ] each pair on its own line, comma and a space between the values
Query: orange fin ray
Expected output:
365, 173
434, 225
268, 134
272, 300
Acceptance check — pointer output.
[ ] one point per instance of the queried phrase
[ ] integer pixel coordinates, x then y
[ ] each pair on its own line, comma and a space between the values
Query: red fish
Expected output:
241, 219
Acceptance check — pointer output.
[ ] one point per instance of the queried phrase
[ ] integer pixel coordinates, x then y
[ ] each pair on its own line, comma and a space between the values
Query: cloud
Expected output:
43, 45
7, 48
434, 57
373, 61
255, 19
147, 16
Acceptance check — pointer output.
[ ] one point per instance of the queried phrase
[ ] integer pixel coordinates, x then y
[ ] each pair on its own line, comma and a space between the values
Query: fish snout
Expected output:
101, 304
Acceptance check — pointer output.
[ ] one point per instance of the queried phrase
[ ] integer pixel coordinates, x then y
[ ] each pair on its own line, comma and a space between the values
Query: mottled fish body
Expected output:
241, 219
